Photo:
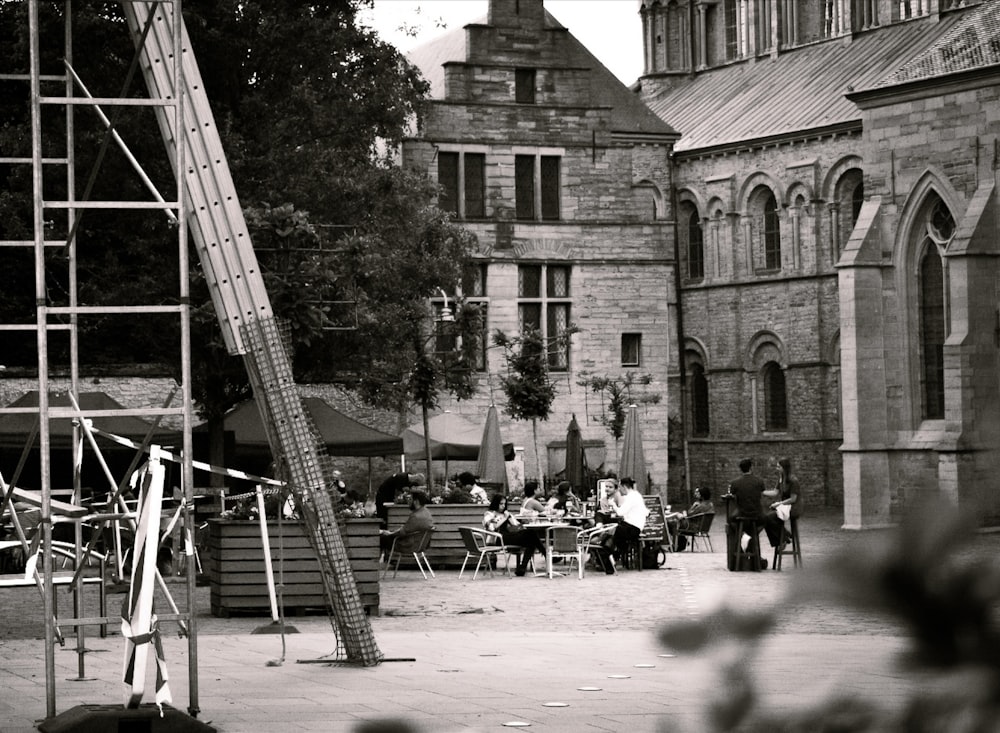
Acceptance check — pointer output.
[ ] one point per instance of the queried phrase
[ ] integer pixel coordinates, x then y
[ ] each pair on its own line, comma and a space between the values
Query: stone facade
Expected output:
878, 299
612, 231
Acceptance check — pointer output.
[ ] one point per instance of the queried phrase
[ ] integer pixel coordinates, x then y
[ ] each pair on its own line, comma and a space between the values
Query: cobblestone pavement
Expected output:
690, 584
474, 654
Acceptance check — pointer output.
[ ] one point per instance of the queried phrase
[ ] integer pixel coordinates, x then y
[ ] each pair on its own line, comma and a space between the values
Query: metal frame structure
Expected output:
204, 204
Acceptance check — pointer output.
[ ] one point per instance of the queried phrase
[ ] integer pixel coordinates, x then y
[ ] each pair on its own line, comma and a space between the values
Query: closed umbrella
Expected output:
490, 468
633, 462
576, 461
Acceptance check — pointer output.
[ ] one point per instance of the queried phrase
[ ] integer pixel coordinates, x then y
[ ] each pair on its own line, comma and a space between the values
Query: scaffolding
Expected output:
201, 204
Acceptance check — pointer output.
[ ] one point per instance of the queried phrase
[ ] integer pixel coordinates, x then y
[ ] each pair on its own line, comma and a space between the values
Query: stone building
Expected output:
563, 174
834, 182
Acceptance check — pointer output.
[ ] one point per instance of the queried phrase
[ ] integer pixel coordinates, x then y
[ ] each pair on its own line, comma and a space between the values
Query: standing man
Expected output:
633, 511
386, 492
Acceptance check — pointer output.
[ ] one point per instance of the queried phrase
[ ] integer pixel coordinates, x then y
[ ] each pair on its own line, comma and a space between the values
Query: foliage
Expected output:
924, 577
619, 395
527, 385
310, 106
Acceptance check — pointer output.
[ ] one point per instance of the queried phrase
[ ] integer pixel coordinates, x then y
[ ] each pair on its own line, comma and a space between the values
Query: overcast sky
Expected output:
611, 29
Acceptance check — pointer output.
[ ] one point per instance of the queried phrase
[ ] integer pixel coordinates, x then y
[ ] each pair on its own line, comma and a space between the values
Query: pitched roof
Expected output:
973, 43
628, 113
796, 91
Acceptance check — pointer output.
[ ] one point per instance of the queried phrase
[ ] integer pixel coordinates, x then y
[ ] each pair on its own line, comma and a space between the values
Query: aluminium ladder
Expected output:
220, 236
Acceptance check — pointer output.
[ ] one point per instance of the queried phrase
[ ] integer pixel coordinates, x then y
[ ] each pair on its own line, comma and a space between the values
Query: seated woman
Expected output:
531, 506
787, 504
499, 519
564, 502
702, 505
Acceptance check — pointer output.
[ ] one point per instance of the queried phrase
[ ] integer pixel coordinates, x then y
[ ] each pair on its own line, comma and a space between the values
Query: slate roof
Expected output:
628, 113
799, 90
973, 43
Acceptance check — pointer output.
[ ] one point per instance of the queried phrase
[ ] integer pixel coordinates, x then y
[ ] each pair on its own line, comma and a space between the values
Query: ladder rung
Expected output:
112, 309
109, 101
111, 204
30, 243
29, 161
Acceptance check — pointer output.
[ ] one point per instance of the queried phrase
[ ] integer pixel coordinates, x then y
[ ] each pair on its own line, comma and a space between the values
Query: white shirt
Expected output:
633, 510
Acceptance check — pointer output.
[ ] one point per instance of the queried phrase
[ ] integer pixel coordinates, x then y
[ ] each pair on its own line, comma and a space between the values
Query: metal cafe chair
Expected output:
697, 529
486, 546
414, 543
590, 541
563, 542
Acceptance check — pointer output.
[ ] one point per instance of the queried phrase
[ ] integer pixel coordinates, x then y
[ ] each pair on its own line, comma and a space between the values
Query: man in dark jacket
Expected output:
386, 492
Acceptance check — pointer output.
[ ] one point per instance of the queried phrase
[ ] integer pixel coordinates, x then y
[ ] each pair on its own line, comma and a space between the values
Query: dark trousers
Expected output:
526, 539
626, 535
773, 527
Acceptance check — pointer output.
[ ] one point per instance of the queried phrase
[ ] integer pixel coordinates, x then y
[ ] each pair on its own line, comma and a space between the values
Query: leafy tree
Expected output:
309, 105
527, 385
618, 391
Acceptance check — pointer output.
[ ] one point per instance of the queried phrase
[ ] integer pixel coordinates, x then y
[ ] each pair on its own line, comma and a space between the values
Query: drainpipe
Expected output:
682, 369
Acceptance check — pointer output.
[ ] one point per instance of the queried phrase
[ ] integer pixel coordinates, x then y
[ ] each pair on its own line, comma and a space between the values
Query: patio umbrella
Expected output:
490, 467
633, 462
576, 461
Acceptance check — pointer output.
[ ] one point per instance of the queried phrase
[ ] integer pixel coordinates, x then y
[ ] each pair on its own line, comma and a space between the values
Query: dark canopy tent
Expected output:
342, 435
16, 429
453, 437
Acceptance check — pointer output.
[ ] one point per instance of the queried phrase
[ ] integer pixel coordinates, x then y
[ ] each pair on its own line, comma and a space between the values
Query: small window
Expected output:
524, 186
699, 401
696, 248
448, 181
775, 401
475, 185
550, 187
631, 349
772, 235
524, 86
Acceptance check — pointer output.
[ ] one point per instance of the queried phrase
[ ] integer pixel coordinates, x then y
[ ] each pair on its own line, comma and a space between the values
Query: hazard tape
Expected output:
178, 458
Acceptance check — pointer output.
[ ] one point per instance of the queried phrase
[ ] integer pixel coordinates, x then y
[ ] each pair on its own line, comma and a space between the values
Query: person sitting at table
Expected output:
564, 501
531, 506
608, 502
420, 520
633, 512
499, 519
682, 520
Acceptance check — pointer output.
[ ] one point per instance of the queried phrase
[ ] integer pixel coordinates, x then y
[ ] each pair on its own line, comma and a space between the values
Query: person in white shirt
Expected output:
633, 512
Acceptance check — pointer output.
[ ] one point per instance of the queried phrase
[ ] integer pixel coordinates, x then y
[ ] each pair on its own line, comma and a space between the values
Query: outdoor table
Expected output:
543, 526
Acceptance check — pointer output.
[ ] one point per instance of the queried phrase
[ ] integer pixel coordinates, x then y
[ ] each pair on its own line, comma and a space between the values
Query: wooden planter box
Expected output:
239, 581
447, 548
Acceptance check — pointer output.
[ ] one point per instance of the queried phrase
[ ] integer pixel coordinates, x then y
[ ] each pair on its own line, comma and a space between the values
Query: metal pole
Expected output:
41, 336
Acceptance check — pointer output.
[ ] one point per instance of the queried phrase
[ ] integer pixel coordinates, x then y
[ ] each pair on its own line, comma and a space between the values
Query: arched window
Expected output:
772, 234
698, 388
775, 402
695, 247
940, 227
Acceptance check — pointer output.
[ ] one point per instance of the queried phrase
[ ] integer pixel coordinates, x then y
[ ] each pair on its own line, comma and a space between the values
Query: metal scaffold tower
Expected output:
203, 204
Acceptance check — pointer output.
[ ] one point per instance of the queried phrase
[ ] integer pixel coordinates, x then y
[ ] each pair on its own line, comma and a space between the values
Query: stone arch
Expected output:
909, 249
693, 197
764, 346
836, 172
796, 191
715, 205
831, 350
753, 182
645, 185
696, 347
